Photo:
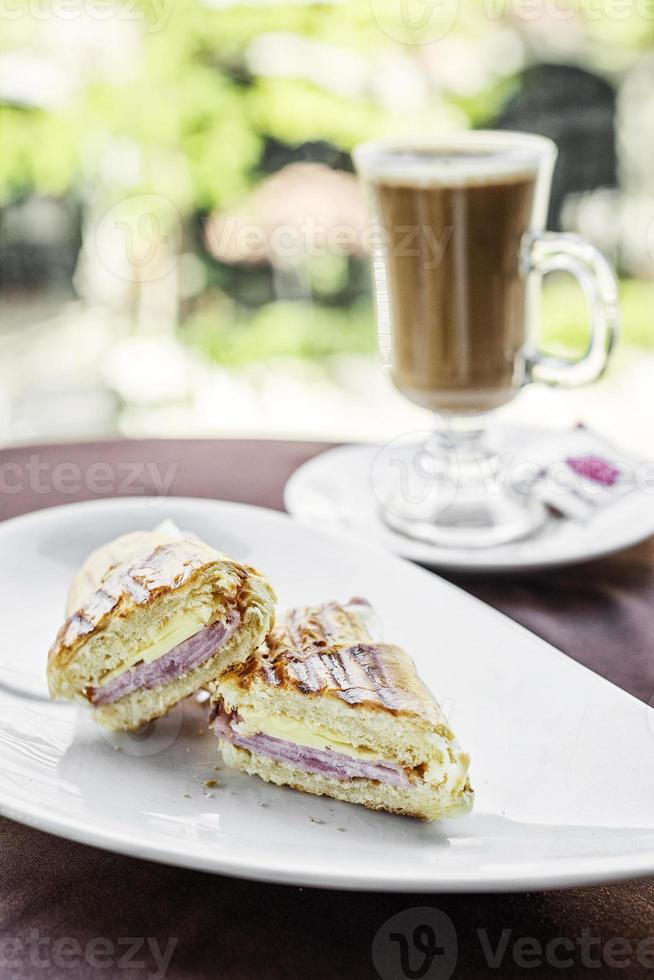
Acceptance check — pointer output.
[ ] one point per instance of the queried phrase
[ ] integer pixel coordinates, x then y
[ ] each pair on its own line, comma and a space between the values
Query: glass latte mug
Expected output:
459, 256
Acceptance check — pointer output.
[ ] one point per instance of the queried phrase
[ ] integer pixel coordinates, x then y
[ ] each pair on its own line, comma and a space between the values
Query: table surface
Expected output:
70, 910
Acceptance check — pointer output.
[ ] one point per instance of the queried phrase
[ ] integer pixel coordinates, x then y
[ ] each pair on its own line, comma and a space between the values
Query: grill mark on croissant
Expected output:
84, 621
323, 627
337, 669
167, 567
269, 673
346, 674
136, 589
353, 668
293, 629
332, 625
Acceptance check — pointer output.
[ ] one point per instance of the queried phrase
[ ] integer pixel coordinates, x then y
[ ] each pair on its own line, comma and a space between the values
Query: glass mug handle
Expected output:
545, 252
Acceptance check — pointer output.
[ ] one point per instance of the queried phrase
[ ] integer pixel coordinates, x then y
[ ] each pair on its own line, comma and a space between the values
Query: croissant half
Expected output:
151, 618
324, 709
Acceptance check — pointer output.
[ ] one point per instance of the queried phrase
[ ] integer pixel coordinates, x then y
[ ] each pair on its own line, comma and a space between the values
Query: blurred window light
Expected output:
635, 125
103, 41
399, 82
286, 55
37, 82
457, 66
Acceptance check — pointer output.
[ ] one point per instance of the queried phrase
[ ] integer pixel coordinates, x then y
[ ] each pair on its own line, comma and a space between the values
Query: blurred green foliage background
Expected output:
198, 103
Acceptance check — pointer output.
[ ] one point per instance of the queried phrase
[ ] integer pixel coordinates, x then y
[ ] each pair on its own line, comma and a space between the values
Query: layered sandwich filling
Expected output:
156, 667
354, 763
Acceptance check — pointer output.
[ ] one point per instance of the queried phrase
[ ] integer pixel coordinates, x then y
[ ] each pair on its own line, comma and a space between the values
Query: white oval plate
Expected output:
333, 491
561, 759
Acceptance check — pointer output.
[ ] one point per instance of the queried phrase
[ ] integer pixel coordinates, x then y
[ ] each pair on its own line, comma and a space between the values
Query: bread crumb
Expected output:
210, 783
316, 820
341, 829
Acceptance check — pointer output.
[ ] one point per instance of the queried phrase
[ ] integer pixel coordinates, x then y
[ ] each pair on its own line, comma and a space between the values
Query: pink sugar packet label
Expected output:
595, 468
579, 472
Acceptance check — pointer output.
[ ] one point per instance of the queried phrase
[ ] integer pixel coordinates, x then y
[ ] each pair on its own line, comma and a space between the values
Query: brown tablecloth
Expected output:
67, 910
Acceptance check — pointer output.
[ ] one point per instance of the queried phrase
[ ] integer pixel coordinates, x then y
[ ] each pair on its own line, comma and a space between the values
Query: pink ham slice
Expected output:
335, 765
185, 656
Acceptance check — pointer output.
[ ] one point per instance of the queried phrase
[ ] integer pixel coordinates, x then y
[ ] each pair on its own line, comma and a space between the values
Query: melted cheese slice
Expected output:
156, 643
256, 722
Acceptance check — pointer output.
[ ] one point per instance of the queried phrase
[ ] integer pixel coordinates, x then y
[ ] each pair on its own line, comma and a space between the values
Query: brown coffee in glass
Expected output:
460, 251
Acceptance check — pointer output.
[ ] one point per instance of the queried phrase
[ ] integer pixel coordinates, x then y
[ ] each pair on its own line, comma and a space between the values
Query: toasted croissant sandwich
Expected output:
152, 617
321, 707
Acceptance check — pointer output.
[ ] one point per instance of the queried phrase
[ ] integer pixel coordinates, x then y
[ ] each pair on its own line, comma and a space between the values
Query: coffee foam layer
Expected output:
449, 168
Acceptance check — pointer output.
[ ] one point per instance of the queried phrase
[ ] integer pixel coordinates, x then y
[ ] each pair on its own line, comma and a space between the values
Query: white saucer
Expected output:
562, 796
334, 491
